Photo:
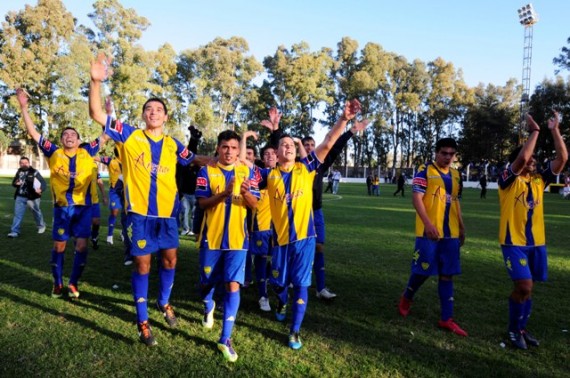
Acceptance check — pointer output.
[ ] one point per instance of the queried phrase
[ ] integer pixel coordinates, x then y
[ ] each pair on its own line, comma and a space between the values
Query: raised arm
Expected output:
351, 109
527, 149
99, 72
300, 148
559, 162
23, 98
243, 147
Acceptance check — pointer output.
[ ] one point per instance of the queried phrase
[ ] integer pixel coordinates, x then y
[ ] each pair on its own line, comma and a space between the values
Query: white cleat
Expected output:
264, 304
325, 294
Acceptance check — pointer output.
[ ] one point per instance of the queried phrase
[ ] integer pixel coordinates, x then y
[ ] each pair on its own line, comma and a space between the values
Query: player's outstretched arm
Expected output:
23, 99
300, 148
559, 162
243, 147
99, 72
528, 147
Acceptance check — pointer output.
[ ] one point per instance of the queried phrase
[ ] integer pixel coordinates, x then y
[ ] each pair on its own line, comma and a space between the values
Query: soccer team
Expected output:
283, 198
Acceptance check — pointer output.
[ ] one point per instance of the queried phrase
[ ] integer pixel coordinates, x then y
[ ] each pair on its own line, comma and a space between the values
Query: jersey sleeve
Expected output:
254, 178
419, 183
202, 184
117, 130
547, 175
47, 147
263, 173
506, 178
183, 154
105, 160
93, 147
311, 162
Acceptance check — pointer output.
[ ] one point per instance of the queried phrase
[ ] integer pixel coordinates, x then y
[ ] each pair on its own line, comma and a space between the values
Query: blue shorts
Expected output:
150, 234
95, 211
525, 263
320, 226
71, 221
260, 243
222, 266
115, 200
439, 257
293, 263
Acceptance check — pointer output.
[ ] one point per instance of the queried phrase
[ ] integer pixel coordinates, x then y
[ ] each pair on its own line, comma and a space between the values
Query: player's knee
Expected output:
523, 289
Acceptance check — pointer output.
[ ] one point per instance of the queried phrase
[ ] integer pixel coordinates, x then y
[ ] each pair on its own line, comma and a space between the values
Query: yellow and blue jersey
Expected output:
149, 169
115, 171
70, 175
442, 192
93, 197
262, 213
290, 195
522, 207
224, 226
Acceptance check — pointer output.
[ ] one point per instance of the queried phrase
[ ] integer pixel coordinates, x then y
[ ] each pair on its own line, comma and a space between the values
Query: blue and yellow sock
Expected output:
319, 270
231, 306
300, 299
516, 311
79, 261
57, 267
165, 284
140, 293
414, 284
260, 263
445, 290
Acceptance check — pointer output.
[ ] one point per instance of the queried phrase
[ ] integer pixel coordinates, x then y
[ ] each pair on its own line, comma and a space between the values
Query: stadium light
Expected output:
527, 15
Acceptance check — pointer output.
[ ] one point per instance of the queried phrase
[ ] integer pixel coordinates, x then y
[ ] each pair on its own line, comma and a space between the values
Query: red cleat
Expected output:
450, 325
404, 306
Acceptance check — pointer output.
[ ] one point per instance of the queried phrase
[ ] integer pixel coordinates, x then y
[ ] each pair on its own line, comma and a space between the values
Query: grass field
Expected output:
369, 247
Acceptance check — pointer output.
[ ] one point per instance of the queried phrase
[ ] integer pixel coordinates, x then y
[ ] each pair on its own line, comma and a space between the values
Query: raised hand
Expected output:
359, 125
351, 109
531, 124
22, 96
273, 122
101, 68
554, 121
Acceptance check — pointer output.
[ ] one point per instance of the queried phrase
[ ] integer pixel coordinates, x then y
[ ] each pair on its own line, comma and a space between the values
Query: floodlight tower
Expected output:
527, 18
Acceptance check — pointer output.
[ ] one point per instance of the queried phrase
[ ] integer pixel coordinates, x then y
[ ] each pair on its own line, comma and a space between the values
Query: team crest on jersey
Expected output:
522, 262
201, 183
425, 266
300, 301
117, 126
275, 273
60, 231
259, 243
141, 243
207, 270
46, 145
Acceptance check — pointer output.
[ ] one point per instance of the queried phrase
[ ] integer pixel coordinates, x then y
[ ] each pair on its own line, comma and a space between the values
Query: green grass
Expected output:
369, 247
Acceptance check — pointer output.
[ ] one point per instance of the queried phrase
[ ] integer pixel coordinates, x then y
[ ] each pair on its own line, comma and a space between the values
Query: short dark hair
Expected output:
445, 142
70, 128
306, 139
265, 148
228, 135
24, 158
250, 147
156, 99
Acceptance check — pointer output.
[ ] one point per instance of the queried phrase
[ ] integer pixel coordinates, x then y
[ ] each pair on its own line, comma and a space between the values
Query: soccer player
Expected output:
29, 185
224, 192
70, 180
148, 160
521, 229
436, 191
96, 184
290, 189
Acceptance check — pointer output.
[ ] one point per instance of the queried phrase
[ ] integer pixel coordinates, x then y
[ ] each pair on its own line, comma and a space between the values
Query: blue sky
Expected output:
483, 38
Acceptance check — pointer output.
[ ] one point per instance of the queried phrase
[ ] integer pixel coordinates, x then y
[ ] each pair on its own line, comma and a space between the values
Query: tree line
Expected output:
221, 85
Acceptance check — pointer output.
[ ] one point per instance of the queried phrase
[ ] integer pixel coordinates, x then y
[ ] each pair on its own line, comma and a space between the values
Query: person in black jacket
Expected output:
29, 185
186, 183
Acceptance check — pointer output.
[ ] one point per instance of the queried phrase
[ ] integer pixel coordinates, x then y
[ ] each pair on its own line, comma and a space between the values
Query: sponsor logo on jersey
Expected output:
185, 154
46, 145
117, 126
201, 183
419, 181
505, 175
94, 143
141, 243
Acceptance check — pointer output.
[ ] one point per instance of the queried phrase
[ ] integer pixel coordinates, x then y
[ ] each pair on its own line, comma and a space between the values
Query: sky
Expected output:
483, 38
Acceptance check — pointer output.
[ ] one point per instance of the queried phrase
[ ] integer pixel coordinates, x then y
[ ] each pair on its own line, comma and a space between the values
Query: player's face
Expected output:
250, 155
154, 115
269, 158
309, 146
70, 139
286, 152
228, 151
445, 156
24, 163
530, 166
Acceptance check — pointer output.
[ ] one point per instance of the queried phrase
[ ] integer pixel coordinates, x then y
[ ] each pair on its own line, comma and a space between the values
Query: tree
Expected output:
563, 60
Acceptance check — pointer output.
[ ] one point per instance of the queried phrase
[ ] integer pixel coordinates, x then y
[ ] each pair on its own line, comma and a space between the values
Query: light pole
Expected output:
527, 18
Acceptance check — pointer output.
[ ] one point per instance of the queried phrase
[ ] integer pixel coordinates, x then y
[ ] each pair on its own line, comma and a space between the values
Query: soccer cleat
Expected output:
128, 260
190, 233
110, 239
208, 320
530, 339
450, 325
13, 235
281, 312
73, 293
57, 291
168, 313
145, 334
404, 306
325, 294
184, 232
228, 351
95, 243
517, 340
41, 229
295, 341
264, 304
